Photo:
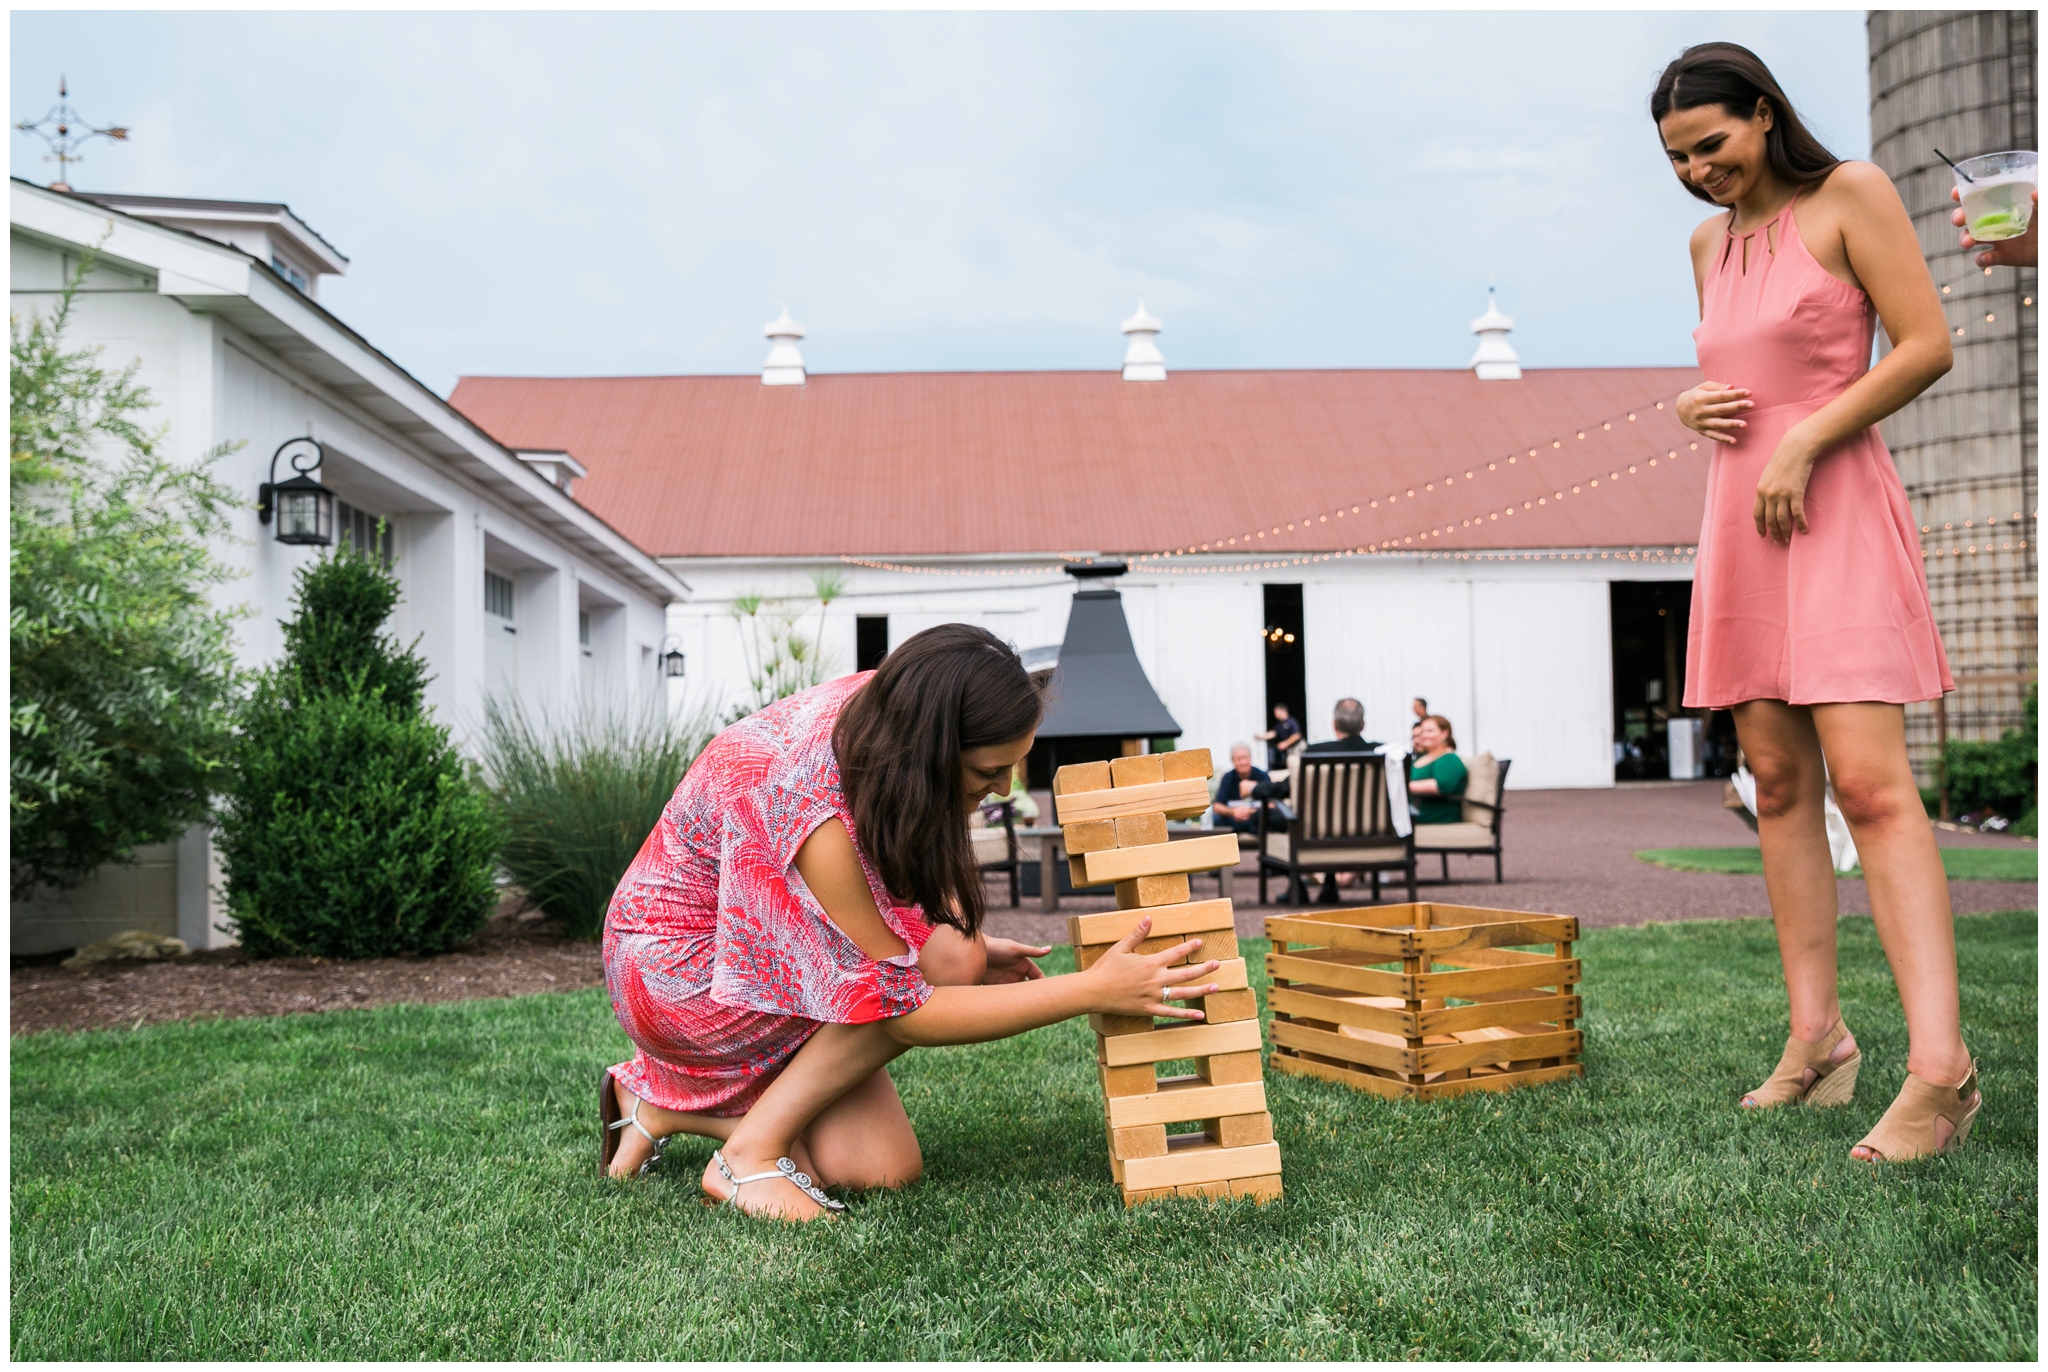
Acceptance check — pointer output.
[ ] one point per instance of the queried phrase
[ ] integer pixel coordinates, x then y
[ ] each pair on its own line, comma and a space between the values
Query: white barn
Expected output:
511, 585
1293, 535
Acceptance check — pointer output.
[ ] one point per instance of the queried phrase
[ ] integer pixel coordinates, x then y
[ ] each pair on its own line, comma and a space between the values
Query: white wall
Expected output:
1516, 655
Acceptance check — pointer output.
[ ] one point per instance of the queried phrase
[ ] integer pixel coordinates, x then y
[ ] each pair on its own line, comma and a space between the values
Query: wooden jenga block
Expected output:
1192, 1158
1239, 1131
1186, 1098
1141, 1080
1085, 958
1220, 944
1258, 1189
1088, 836
1136, 771
1170, 796
1188, 762
1109, 1026
1203, 854
1204, 1190
1228, 1069
1193, 917
1143, 892
1138, 831
1227, 1006
1132, 1198
1138, 1141
1077, 868
1188, 1041
1081, 776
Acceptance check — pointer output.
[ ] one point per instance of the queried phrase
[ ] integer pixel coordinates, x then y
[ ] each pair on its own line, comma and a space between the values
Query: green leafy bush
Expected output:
2002, 777
577, 799
352, 828
123, 673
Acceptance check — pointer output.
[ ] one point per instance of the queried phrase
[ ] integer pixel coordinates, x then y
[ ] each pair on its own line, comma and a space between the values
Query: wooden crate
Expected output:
1115, 817
1427, 1000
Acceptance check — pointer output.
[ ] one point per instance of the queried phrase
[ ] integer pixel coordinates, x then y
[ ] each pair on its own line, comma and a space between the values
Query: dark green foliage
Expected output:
2002, 777
421, 1181
577, 801
352, 828
123, 675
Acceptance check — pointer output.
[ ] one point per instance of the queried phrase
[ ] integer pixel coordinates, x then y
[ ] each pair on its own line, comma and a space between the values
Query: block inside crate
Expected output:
1427, 1000
1114, 816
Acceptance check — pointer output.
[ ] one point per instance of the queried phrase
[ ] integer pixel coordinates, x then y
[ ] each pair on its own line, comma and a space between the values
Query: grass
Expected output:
420, 1182
1962, 864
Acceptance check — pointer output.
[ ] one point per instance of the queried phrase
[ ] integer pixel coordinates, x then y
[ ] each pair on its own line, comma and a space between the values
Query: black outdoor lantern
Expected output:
304, 508
672, 660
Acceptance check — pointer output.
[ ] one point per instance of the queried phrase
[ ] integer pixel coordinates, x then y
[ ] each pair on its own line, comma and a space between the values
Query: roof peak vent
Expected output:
1142, 360
785, 364
1494, 359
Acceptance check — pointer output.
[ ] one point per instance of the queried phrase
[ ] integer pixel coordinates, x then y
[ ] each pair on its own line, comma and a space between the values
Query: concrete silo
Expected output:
1963, 81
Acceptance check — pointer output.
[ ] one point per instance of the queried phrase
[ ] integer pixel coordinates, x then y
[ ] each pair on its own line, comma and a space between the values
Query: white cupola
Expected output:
1142, 360
1494, 359
785, 365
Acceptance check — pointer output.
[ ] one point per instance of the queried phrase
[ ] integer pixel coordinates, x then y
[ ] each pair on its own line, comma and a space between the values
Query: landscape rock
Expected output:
133, 946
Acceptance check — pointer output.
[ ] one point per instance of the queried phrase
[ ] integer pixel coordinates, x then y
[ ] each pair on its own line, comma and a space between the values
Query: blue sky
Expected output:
627, 193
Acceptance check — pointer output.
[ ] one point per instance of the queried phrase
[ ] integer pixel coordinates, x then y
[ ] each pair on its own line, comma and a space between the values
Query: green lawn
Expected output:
1963, 864
420, 1182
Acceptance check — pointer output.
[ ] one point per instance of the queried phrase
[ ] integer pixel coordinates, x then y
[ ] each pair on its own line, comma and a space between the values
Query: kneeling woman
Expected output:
809, 907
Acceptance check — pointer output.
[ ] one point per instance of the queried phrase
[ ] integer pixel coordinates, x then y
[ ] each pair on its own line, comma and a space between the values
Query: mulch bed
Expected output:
518, 953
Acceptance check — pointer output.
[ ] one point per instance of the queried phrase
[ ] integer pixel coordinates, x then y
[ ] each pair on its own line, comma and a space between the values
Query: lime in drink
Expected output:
1998, 191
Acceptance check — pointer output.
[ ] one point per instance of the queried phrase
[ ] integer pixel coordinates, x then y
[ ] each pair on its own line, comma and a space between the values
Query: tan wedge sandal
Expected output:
1831, 1083
1907, 1133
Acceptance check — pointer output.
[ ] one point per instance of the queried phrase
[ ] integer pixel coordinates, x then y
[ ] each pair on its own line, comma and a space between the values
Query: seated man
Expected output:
1238, 793
1348, 723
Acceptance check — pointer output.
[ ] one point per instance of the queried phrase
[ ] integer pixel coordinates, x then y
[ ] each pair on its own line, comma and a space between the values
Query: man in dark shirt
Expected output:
1238, 793
1348, 721
1286, 729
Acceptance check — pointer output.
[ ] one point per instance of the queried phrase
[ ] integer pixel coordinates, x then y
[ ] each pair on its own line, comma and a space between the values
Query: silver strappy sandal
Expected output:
634, 1120
784, 1169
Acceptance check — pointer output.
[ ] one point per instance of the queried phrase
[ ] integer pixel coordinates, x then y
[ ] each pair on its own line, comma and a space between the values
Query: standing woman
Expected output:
808, 907
1810, 617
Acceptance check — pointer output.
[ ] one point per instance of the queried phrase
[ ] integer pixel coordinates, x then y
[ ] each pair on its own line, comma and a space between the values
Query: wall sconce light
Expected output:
672, 660
304, 507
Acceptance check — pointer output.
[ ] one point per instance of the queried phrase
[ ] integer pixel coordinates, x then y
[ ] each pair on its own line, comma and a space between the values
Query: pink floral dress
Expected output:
719, 960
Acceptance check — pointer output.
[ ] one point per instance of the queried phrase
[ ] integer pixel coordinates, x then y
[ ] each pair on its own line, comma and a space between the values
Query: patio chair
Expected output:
1343, 822
996, 850
1477, 833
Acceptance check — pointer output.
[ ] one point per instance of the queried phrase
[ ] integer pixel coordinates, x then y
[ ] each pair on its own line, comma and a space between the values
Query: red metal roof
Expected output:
936, 463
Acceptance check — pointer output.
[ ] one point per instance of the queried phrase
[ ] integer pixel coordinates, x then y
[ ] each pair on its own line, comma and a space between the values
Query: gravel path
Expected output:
1573, 853
1568, 852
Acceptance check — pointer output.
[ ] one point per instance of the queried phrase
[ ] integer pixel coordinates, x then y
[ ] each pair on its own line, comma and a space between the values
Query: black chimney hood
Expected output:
1101, 691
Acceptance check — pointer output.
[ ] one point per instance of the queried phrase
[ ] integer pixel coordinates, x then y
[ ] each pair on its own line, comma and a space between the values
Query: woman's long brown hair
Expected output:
899, 741
1733, 77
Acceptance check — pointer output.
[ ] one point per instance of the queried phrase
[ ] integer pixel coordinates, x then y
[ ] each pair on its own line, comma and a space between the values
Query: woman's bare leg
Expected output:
1784, 754
1866, 751
833, 1110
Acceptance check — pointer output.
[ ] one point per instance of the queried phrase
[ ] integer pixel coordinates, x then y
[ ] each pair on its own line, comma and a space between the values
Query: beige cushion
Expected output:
1277, 846
1453, 836
1482, 782
990, 845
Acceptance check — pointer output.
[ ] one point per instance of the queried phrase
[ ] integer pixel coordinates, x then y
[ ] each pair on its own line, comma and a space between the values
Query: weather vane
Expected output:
65, 132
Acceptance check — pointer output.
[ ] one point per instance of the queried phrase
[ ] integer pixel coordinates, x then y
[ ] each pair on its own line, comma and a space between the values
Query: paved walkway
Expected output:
1573, 853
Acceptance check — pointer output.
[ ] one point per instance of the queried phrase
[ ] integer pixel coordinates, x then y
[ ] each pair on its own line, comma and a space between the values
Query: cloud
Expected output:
629, 192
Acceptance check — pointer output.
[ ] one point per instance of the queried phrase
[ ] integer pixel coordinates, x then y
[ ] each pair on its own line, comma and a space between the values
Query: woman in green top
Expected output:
1437, 778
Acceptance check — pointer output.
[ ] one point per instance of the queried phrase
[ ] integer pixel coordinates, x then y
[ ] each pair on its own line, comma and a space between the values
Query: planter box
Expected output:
1427, 1000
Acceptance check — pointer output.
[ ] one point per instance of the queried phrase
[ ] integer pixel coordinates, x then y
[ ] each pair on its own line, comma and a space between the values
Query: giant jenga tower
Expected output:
1114, 815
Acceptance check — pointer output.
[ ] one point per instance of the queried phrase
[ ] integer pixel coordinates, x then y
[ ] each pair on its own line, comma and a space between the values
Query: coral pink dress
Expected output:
1841, 613
719, 960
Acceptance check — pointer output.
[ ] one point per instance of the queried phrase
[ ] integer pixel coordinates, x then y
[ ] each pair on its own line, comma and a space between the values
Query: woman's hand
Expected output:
1124, 981
2023, 251
1009, 961
1711, 408
1781, 491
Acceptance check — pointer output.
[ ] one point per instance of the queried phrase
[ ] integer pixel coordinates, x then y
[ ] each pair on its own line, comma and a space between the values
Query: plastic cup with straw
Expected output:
1997, 192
